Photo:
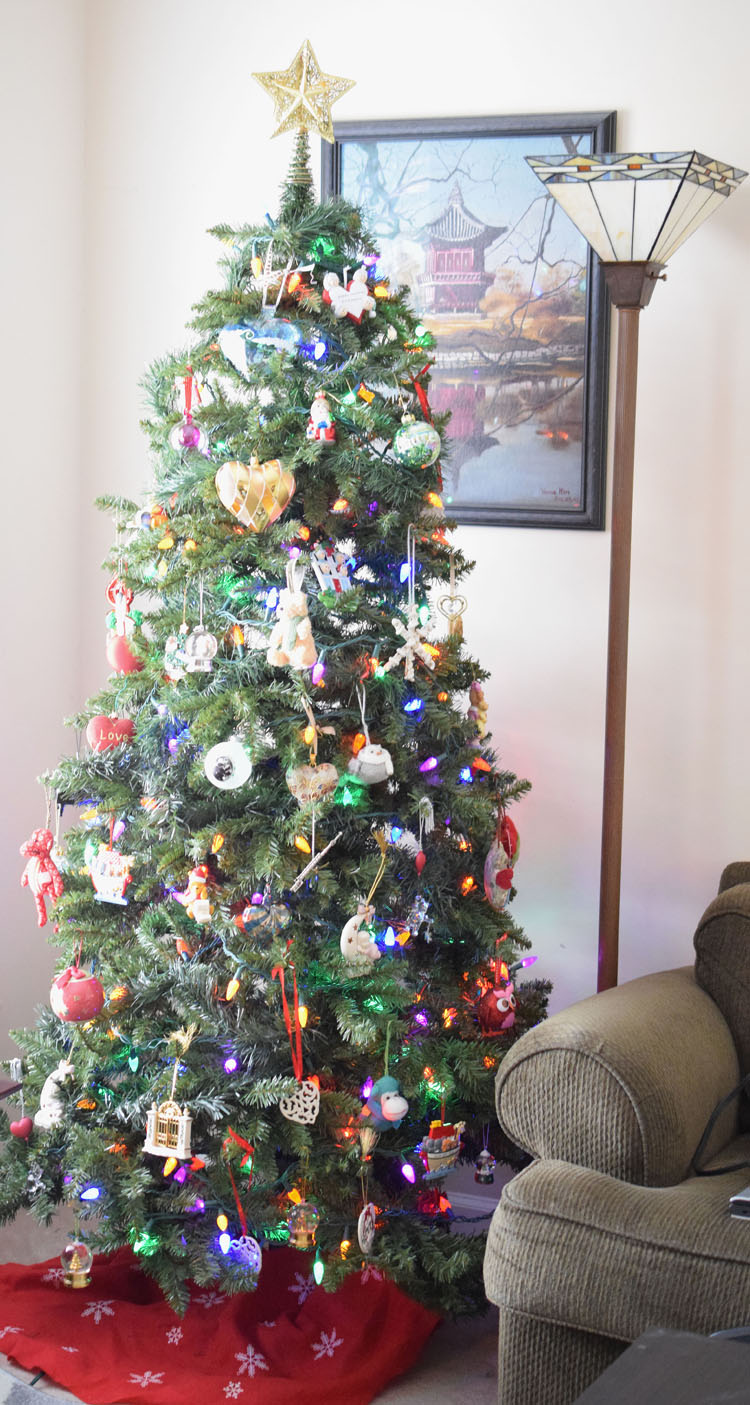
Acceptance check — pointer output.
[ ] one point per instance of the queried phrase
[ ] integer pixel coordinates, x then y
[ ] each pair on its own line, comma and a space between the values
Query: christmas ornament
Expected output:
243, 344
175, 659
258, 920
452, 606
104, 733
41, 874
291, 639
386, 1105
414, 646
303, 94
121, 624
76, 1259
314, 861
500, 861
304, 1104
22, 1129
76, 996
426, 814
227, 765
246, 1251
320, 426
303, 1223
312, 783
441, 1148
168, 1126
199, 649
353, 299
478, 709
416, 444
331, 568
195, 897
51, 1106
484, 1167
110, 874
371, 764
366, 1226
255, 493
496, 1010
357, 946
186, 434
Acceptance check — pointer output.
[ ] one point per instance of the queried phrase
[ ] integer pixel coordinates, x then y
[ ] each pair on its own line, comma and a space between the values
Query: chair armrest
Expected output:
623, 1082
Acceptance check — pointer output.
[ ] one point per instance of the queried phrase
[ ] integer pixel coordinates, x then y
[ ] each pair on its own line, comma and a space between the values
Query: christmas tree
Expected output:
289, 971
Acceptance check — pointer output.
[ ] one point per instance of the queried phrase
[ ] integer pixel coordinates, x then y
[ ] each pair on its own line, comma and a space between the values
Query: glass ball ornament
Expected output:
303, 1222
188, 435
76, 1259
416, 444
484, 1167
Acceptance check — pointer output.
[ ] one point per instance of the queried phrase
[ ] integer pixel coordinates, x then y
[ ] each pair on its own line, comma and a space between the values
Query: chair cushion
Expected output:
588, 1251
722, 961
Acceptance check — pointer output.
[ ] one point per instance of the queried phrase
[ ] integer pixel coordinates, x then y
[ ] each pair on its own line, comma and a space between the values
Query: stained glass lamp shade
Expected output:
637, 207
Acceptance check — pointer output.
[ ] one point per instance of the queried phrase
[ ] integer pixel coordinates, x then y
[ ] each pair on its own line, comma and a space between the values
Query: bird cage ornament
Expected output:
168, 1131
168, 1125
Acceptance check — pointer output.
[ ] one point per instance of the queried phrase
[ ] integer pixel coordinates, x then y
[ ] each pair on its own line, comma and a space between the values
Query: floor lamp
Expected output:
634, 210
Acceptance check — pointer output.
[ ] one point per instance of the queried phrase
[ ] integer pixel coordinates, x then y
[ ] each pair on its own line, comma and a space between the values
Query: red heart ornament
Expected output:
22, 1129
103, 733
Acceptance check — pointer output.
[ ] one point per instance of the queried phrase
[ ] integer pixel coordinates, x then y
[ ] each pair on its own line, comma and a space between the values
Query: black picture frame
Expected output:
535, 385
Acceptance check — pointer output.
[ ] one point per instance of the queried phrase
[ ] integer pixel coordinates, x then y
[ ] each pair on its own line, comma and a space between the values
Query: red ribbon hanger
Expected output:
295, 1037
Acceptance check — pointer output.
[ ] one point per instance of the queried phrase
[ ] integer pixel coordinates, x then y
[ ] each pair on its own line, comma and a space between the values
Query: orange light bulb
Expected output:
434, 500
190, 545
170, 1165
222, 1222
360, 740
301, 843
467, 885
238, 634
232, 988
340, 505
308, 736
302, 1013
216, 843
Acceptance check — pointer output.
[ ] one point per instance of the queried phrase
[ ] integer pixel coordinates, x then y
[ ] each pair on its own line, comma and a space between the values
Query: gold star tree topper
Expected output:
303, 94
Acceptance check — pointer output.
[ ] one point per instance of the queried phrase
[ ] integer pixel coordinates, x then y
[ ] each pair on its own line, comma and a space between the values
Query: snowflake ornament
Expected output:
413, 647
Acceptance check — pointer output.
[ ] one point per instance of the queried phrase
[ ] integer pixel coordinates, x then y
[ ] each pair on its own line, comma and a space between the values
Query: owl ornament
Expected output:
500, 863
291, 641
496, 1010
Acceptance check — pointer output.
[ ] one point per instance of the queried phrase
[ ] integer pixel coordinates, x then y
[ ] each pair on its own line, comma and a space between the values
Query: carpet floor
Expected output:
458, 1365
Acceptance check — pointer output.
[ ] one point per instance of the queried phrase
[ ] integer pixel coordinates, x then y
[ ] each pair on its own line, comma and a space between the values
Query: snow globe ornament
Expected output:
76, 996
416, 444
76, 1259
303, 1223
372, 764
227, 765
199, 648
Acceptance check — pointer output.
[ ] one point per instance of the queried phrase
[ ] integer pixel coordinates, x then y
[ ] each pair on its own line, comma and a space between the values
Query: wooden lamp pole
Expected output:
630, 286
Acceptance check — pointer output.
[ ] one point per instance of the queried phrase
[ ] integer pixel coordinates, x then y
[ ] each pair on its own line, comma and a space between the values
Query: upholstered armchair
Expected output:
607, 1231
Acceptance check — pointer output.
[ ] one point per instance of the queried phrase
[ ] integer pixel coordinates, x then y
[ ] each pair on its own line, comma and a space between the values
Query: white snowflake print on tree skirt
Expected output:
3, 1330
211, 1299
71, 1349
102, 1308
302, 1286
368, 1272
251, 1360
147, 1378
327, 1344
233, 1390
54, 1275
174, 1336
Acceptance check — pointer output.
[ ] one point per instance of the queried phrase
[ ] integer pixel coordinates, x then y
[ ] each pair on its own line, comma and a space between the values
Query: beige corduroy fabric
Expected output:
623, 1082
608, 1232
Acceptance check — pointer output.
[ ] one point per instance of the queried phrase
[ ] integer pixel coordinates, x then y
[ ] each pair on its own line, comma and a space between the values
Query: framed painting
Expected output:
508, 288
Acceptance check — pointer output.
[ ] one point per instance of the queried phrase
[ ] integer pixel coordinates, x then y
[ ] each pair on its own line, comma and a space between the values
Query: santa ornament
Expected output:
320, 426
195, 897
41, 873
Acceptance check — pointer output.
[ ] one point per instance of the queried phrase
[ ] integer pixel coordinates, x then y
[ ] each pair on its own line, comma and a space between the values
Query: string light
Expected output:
216, 843
340, 505
170, 1165
449, 1015
301, 843
344, 1247
231, 991
360, 740
430, 764
230, 1064
222, 1222
318, 671
413, 705
434, 499
91, 1192
224, 1242
302, 1013
319, 1269
467, 885
465, 775
442, 697
238, 635
408, 1172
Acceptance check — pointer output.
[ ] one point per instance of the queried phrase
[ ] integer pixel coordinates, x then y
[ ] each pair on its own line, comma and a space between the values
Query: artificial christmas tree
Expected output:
277, 878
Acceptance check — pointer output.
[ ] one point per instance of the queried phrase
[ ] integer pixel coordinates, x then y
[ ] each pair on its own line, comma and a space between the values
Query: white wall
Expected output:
177, 139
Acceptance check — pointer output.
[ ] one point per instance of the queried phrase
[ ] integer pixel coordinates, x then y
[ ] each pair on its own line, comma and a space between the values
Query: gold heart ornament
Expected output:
255, 493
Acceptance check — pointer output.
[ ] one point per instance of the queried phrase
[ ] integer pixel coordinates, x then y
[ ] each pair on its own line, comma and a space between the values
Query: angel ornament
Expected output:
414, 645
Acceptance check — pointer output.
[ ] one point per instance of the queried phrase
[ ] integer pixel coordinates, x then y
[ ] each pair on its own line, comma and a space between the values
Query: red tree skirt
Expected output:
117, 1341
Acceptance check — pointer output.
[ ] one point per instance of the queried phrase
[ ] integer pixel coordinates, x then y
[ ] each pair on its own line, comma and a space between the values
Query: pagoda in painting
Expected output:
455, 279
